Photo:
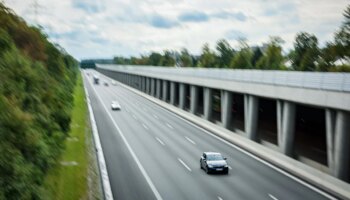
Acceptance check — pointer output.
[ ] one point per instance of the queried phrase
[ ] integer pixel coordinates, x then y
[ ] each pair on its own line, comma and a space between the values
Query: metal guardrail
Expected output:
334, 81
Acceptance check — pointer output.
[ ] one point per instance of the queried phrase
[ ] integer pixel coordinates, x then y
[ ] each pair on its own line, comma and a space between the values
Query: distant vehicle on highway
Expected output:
115, 105
213, 162
96, 79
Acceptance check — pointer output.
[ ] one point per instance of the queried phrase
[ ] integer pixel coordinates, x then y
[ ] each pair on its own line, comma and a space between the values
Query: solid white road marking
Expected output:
169, 126
190, 140
143, 171
160, 141
219, 198
144, 125
184, 164
272, 197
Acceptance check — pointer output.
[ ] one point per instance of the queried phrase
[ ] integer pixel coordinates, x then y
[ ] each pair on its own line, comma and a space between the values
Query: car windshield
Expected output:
214, 157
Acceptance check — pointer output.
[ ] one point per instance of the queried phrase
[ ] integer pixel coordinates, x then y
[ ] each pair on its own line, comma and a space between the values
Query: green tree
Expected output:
185, 58
168, 58
272, 58
155, 59
305, 52
207, 58
257, 54
225, 53
342, 37
242, 58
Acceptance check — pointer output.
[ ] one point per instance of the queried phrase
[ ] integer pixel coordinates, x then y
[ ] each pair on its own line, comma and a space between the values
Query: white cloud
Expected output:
104, 28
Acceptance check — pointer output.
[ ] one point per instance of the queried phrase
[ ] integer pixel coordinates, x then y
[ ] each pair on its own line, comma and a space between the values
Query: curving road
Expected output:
153, 154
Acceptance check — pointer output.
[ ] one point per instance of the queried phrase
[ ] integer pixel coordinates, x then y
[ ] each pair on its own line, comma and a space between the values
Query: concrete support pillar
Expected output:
165, 90
158, 88
342, 146
172, 93
153, 86
194, 99
330, 132
147, 85
226, 107
208, 103
252, 117
182, 94
288, 128
279, 113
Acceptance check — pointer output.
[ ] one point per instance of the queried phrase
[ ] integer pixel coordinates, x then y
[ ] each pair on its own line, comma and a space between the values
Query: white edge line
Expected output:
143, 171
107, 191
236, 147
160, 141
187, 138
272, 197
184, 164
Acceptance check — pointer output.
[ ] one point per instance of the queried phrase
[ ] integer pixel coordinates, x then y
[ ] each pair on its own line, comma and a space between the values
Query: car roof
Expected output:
212, 153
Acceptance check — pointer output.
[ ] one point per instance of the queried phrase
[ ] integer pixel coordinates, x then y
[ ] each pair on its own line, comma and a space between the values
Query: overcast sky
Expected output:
106, 28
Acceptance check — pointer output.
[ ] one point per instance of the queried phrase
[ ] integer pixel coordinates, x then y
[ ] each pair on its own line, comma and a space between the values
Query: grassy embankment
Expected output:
75, 176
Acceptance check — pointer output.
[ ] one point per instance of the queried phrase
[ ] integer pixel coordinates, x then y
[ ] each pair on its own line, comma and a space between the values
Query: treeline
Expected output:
36, 84
306, 55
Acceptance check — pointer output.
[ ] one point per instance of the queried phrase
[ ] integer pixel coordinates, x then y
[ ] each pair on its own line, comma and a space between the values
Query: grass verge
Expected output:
76, 174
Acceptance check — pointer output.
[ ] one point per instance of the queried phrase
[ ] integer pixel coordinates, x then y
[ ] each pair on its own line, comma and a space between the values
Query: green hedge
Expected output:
37, 79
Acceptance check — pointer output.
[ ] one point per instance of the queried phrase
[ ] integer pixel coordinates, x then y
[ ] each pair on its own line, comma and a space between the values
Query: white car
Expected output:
115, 105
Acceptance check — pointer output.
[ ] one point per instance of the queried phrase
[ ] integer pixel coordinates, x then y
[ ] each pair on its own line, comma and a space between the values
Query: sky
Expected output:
107, 28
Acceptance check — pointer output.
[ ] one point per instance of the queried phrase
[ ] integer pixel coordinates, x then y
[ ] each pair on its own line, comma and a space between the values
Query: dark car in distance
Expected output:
213, 162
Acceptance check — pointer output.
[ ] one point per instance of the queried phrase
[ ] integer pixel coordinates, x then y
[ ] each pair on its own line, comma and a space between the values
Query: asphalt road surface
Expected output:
154, 154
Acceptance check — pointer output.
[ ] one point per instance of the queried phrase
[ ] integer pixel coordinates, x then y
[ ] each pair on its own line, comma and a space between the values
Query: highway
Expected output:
153, 154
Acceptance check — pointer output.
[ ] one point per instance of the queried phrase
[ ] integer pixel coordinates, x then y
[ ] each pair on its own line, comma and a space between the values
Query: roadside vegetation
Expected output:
305, 56
37, 79
75, 176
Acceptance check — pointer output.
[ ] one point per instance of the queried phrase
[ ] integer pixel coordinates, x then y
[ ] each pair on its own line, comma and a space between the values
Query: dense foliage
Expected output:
306, 55
36, 84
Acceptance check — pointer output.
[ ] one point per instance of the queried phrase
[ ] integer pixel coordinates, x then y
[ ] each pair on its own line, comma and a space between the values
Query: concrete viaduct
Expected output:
304, 115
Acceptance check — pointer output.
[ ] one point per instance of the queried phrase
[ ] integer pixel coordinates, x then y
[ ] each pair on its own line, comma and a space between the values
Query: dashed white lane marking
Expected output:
144, 126
230, 167
155, 116
134, 116
184, 164
160, 141
272, 197
219, 198
169, 126
190, 140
